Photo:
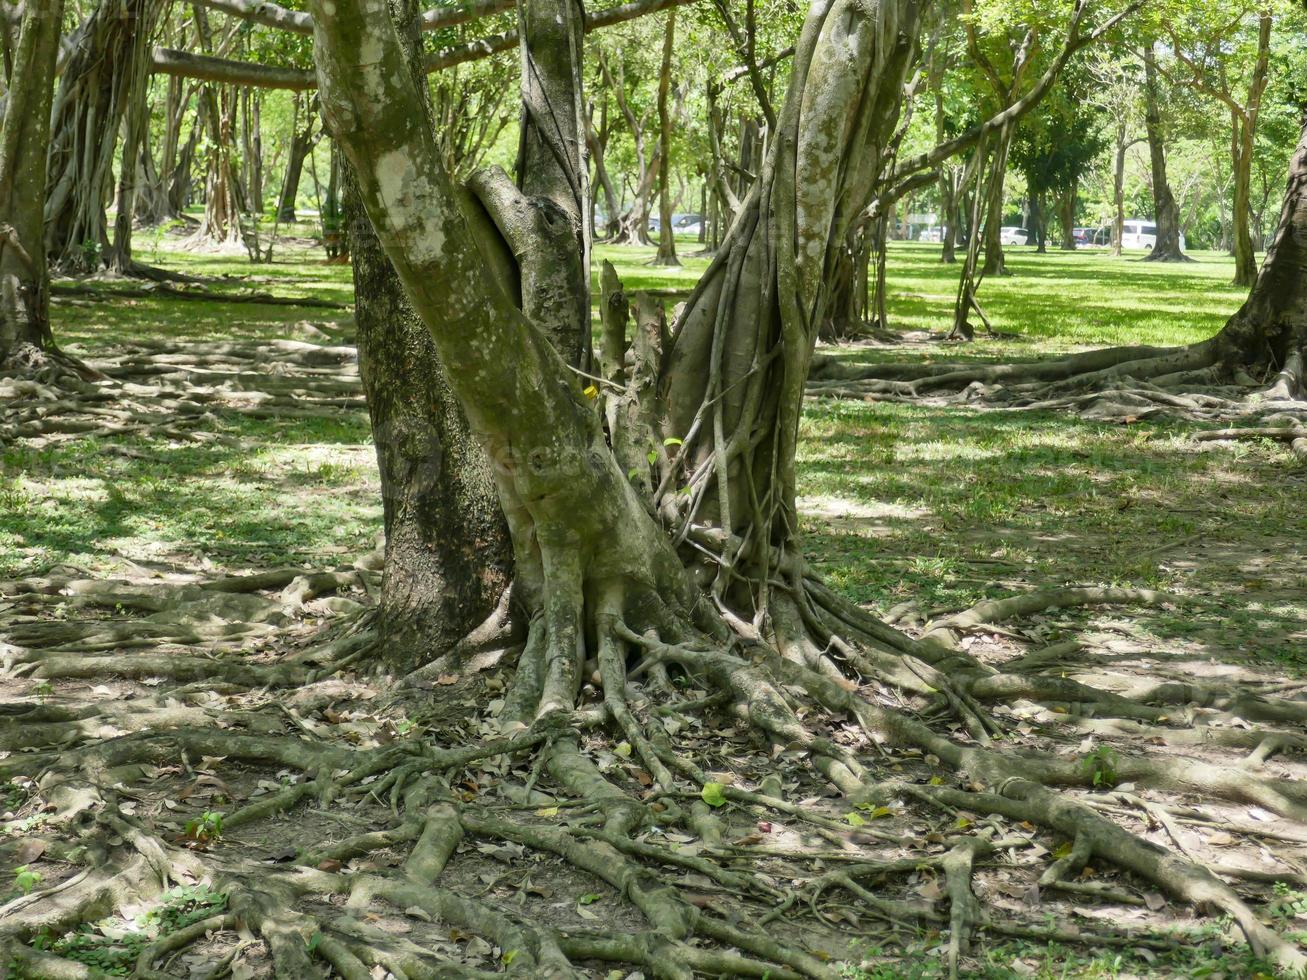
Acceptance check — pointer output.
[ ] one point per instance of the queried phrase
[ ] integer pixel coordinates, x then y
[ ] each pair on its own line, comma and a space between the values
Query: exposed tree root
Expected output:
827, 716
175, 390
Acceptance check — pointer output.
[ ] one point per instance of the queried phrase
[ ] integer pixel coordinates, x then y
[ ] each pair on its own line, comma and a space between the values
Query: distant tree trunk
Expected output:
1245, 256
300, 145
87, 116
1166, 214
598, 144
1037, 222
136, 133
335, 240
666, 233
1118, 187
181, 179
220, 224
24, 144
252, 139
1068, 213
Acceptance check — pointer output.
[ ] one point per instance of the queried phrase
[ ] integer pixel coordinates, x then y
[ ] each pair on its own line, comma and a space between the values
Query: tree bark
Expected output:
666, 233
24, 144
1166, 213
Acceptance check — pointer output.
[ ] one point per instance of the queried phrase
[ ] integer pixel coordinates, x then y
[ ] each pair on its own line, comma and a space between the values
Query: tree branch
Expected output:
168, 61
298, 22
1075, 41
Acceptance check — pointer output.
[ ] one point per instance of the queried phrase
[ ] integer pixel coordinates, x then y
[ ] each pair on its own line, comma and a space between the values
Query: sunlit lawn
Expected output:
942, 504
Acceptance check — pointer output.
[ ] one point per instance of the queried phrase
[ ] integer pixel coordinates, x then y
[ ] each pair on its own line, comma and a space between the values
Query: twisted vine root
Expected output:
834, 692
1120, 383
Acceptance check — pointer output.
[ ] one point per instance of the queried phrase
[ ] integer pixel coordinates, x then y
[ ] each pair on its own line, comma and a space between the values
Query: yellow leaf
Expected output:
548, 811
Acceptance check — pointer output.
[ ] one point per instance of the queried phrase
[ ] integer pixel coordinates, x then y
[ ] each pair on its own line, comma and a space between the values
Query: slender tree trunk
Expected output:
1166, 213
1037, 222
612, 206
181, 179
1068, 214
24, 143
666, 233
1118, 187
1245, 256
995, 263
136, 133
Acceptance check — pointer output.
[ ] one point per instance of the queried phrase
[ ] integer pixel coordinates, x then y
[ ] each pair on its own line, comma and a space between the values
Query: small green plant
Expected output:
1100, 766
205, 828
91, 253
26, 879
43, 690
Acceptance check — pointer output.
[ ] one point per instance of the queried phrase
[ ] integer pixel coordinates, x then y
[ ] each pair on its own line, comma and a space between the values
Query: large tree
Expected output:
110, 51
626, 552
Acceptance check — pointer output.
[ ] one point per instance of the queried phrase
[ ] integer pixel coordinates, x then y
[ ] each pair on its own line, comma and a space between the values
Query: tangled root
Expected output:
601, 767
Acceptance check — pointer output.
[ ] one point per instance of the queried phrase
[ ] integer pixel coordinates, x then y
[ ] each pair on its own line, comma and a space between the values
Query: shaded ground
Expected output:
128, 540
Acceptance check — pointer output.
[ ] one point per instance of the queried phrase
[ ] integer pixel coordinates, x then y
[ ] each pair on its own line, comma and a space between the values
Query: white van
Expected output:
1138, 233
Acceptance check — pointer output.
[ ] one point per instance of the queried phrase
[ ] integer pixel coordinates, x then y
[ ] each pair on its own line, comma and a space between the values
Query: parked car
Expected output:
1012, 235
1139, 233
1083, 236
687, 224
931, 235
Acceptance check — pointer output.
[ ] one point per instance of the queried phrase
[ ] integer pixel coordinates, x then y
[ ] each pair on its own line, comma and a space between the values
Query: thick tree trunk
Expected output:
24, 143
666, 233
87, 116
585, 542
549, 205
448, 557
1269, 332
1166, 213
743, 344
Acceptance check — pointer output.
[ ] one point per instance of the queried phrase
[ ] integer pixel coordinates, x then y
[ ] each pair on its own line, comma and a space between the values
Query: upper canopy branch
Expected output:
1075, 40
298, 22
169, 61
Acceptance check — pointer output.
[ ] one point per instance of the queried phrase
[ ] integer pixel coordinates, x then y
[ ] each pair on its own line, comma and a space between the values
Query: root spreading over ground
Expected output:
203, 776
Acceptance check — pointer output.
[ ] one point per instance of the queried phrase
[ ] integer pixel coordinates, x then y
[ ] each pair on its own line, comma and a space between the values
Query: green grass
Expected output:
942, 504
